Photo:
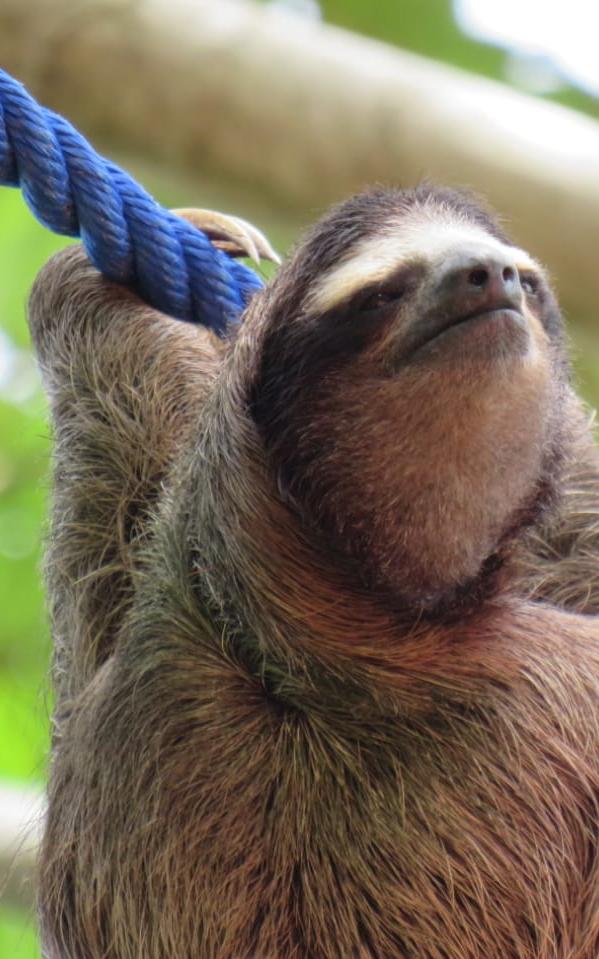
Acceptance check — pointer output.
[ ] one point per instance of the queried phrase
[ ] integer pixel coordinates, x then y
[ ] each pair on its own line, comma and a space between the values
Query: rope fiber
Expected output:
127, 235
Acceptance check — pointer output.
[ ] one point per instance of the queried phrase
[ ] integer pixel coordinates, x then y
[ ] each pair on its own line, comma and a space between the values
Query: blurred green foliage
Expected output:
424, 26
17, 937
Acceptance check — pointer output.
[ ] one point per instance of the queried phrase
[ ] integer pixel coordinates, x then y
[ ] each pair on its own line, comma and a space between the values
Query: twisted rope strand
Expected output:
127, 235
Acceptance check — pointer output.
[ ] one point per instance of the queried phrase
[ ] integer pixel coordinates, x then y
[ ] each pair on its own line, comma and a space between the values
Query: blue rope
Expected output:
127, 235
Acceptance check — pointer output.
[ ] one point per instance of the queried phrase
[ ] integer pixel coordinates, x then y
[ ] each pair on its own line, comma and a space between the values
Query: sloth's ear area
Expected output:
235, 236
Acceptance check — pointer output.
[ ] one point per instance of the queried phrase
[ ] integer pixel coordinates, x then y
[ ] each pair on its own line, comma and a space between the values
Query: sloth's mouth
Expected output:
507, 314
440, 329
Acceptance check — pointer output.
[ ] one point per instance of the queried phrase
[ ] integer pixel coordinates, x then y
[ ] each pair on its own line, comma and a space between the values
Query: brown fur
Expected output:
267, 744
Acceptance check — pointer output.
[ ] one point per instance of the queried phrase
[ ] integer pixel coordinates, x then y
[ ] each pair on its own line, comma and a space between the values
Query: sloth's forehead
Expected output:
422, 237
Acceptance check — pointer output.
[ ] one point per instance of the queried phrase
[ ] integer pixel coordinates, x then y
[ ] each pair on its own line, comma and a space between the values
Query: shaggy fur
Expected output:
270, 743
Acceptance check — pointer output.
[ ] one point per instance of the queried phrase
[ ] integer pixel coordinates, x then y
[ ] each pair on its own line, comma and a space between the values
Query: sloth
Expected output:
324, 603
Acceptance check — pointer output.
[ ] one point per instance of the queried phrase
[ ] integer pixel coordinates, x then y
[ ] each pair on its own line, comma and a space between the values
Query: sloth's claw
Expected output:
235, 236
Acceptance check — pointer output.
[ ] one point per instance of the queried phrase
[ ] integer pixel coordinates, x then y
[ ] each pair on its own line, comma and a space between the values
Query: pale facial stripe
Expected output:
424, 237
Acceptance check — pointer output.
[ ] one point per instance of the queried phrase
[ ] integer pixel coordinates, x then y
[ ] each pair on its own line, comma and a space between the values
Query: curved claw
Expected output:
235, 236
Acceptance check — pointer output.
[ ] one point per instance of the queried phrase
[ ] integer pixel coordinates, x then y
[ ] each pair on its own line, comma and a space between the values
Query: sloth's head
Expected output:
408, 384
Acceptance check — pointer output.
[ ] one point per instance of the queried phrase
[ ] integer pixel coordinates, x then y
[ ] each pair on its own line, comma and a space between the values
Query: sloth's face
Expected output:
411, 401
434, 290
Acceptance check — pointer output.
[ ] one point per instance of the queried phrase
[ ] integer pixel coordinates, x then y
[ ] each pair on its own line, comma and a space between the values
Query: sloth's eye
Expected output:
375, 301
529, 283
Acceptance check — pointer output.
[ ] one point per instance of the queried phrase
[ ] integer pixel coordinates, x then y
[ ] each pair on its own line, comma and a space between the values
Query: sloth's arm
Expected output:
124, 383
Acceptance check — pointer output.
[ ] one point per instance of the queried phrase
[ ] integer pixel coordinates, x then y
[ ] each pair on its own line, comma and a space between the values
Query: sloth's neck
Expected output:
431, 526
306, 625
417, 483
265, 574
296, 590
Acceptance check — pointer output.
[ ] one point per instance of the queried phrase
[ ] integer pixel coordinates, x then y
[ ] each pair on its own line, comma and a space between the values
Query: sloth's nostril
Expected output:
478, 277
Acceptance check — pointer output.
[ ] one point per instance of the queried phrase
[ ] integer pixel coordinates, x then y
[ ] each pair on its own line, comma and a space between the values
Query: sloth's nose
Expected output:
484, 283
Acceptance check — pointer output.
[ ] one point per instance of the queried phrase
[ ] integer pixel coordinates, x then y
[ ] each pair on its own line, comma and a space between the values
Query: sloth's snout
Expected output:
473, 284
481, 283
